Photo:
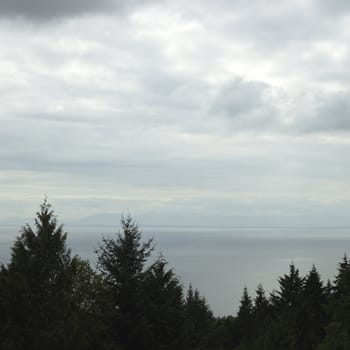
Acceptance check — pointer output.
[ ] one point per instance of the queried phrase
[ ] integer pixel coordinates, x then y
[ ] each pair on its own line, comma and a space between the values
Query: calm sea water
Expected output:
221, 261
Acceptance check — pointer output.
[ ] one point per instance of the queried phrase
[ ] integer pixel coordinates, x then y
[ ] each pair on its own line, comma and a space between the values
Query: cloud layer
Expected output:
217, 112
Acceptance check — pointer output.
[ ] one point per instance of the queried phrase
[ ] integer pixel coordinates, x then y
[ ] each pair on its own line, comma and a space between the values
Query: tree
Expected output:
338, 309
245, 316
91, 309
162, 296
121, 260
261, 305
313, 314
38, 289
199, 319
291, 289
285, 330
342, 280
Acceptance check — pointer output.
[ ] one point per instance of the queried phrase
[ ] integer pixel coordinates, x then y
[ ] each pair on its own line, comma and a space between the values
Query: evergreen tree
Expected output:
121, 261
244, 321
162, 296
199, 319
338, 330
37, 290
291, 289
313, 316
91, 306
261, 305
342, 280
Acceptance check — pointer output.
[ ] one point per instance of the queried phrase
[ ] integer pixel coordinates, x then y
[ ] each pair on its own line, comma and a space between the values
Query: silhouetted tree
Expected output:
291, 289
342, 280
313, 317
164, 317
261, 307
42, 292
338, 330
199, 319
244, 322
121, 260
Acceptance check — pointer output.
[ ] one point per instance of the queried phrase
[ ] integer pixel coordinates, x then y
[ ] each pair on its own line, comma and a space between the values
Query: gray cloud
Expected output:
255, 106
48, 9
43, 10
245, 105
331, 113
338, 7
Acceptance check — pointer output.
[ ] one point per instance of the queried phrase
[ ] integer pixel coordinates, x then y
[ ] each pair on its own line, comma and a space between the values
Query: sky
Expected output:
225, 113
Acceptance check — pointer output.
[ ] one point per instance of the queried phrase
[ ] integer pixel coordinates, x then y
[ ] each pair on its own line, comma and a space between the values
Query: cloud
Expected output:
253, 106
245, 105
44, 10
181, 104
336, 7
330, 114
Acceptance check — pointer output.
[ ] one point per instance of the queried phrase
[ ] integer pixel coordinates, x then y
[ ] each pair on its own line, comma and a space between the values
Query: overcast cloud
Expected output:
223, 113
44, 10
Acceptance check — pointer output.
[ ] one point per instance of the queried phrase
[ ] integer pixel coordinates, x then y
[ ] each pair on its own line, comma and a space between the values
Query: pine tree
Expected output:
261, 305
121, 260
342, 280
313, 317
244, 321
199, 319
338, 329
314, 292
37, 291
291, 288
162, 297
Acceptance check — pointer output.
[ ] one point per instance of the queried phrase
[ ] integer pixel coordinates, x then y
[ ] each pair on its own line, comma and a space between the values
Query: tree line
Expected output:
51, 299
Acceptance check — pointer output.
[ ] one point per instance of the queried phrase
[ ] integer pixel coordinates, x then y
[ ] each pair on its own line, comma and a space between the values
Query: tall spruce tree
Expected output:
121, 261
313, 314
199, 319
289, 295
342, 280
244, 321
261, 305
38, 295
163, 307
338, 329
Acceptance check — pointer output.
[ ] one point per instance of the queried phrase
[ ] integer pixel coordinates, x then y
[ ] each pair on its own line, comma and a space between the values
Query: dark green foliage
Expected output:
262, 316
290, 292
338, 330
337, 338
148, 302
222, 335
91, 307
261, 307
163, 308
342, 280
244, 322
34, 285
121, 261
199, 319
295, 317
43, 291
314, 316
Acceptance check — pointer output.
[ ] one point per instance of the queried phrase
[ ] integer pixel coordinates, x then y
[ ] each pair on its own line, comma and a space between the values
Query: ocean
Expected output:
220, 262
